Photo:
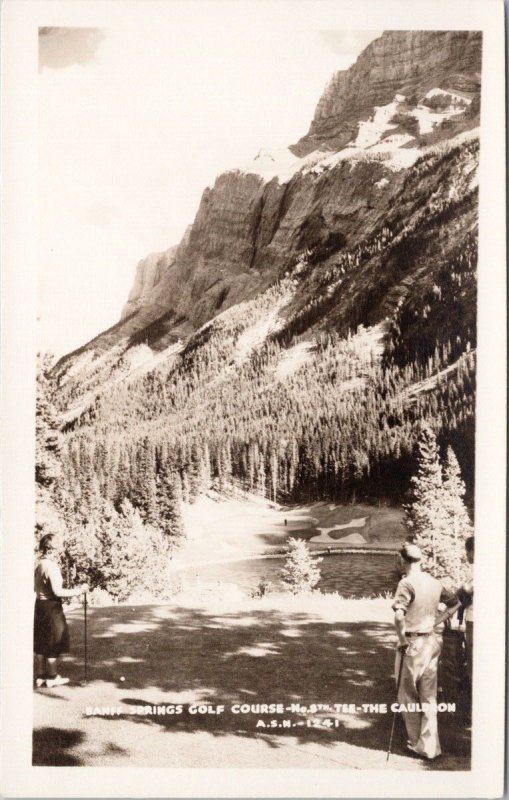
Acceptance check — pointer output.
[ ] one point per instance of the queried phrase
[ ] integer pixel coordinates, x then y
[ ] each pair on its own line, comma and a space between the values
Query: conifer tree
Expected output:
260, 478
123, 477
169, 504
151, 513
185, 487
300, 572
437, 518
424, 515
273, 475
47, 435
206, 468
143, 474
459, 521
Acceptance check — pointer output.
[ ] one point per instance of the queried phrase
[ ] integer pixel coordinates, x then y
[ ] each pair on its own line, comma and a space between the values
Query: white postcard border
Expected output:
21, 19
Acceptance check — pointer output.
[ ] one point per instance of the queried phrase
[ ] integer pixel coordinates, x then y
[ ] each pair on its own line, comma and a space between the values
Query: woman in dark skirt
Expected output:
51, 634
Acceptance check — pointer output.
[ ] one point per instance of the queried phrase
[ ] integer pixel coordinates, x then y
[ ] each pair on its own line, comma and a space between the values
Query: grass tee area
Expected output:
281, 649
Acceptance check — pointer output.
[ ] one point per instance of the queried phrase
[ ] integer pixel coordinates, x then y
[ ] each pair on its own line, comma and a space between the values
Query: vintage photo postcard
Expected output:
253, 387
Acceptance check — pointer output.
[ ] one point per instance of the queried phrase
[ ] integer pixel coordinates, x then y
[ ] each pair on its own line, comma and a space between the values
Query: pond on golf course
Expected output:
361, 574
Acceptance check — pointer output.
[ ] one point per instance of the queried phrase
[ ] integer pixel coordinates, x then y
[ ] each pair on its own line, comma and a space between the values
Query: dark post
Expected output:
86, 653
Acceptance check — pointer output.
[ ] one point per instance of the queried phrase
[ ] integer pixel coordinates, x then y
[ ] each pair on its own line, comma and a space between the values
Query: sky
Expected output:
134, 124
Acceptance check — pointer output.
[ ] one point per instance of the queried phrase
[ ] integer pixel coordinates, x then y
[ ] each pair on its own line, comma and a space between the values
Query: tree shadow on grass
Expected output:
56, 747
249, 657
50, 746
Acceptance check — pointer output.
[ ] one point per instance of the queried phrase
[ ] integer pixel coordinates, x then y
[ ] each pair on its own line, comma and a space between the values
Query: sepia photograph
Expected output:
255, 483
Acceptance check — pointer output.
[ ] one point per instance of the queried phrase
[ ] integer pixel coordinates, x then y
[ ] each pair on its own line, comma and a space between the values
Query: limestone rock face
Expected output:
405, 62
149, 272
250, 228
246, 234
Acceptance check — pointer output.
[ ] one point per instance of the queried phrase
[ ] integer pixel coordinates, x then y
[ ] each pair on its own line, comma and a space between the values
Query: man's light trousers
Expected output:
419, 686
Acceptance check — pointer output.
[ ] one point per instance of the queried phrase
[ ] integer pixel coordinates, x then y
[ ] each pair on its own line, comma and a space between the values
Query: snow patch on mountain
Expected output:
389, 152
369, 342
293, 359
368, 345
255, 335
428, 384
142, 359
373, 142
89, 363
370, 132
428, 118
369, 143
280, 163
82, 362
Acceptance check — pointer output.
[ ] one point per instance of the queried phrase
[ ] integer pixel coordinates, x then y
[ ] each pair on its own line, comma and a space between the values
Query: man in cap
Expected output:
415, 610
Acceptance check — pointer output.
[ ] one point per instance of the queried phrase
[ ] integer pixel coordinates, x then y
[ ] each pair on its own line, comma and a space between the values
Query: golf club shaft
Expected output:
397, 693
445, 615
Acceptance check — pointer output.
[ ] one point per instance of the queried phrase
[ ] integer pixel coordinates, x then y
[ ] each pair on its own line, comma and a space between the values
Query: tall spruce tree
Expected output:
169, 504
425, 518
436, 518
460, 526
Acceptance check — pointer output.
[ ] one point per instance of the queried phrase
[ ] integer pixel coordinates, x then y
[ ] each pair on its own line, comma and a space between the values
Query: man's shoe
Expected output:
58, 680
40, 683
415, 752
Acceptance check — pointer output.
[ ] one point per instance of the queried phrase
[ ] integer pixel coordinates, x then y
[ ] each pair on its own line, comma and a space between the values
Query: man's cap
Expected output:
410, 552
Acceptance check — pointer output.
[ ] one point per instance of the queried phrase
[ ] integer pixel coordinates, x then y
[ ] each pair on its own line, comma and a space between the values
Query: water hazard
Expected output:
349, 574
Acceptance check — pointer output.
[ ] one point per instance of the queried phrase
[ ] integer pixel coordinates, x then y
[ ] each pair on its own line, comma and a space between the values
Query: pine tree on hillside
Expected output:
300, 572
151, 514
260, 478
185, 487
425, 518
47, 435
122, 477
437, 518
169, 504
206, 467
460, 525
143, 470
49, 473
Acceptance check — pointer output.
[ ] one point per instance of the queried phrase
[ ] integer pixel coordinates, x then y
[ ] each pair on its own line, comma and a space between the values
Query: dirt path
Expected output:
170, 656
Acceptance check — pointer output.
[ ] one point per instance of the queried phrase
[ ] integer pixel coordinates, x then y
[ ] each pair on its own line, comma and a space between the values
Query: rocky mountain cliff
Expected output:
149, 272
407, 92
